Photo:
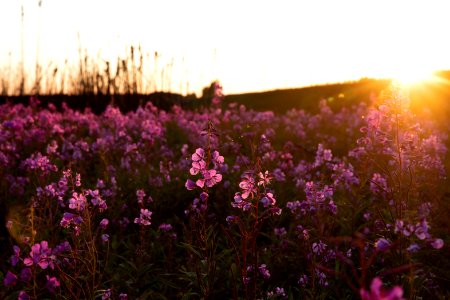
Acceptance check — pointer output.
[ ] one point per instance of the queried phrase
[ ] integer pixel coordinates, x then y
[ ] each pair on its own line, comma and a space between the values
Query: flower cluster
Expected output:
144, 218
41, 256
370, 180
316, 199
255, 189
209, 177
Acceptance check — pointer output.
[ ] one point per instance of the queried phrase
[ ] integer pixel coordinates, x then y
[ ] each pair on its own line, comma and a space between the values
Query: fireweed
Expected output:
361, 188
407, 167
206, 166
257, 203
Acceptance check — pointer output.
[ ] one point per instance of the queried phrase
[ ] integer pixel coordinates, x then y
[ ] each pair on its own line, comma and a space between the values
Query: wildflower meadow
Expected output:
224, 202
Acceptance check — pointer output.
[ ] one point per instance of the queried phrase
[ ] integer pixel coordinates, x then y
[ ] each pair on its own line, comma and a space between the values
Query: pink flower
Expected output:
77, 179
248, 186
210, 178
23, 296
199, 155
69, 218
437, 243
217, 158
140, 196
264, 178
104, 223
377, 293
40, 255
78, 202
52, 284
144, 218
197, 166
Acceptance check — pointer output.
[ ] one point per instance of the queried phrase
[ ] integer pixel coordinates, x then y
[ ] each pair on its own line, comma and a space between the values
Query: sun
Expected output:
411, 77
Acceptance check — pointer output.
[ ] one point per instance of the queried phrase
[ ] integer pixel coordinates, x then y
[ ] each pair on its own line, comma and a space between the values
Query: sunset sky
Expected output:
247, 45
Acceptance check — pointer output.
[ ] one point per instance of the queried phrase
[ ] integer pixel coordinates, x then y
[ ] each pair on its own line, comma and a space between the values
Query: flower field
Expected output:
224, 203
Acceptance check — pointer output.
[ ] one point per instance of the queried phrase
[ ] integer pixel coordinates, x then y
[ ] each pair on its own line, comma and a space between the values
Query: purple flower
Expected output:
123, 296
204, 196
332, 207
280, 231
231, 219
40, 255
275, 211
145, 217
437, 243
303, 280
39, 163
264, 272
422, 230
190, 185
268, 200
217, 158
319, 247
382, 244
16, 256
413, 248
104, 223
165, 227
398, 226
62, 247
69, 218
25, 274
378, 184
327, 155
23, 296
52, 284
322, 278
105, 237
10, 279
240, 203
77, 202
377, 293
106, 294
77, 179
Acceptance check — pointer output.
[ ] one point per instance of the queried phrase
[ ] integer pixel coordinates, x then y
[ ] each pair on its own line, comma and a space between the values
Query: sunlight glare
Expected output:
411, 77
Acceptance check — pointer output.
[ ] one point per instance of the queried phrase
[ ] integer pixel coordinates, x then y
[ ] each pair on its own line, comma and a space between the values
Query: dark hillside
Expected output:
432, 97
306, 98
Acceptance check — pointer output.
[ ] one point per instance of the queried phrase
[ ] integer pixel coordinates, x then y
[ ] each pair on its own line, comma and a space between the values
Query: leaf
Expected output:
191, 249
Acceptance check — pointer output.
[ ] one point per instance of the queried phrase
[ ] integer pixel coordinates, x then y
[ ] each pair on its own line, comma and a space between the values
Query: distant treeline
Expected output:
278, 100
433, 97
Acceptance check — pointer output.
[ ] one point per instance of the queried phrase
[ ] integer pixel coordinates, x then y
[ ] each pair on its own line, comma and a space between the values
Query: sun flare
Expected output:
413, 77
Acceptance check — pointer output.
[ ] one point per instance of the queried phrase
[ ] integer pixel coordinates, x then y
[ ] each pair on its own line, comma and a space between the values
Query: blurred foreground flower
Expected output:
378, 293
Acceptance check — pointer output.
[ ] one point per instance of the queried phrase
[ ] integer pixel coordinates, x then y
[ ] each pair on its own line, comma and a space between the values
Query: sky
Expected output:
247, 45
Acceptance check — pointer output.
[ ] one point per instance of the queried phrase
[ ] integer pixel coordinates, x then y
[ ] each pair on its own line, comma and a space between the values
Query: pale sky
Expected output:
246, 45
